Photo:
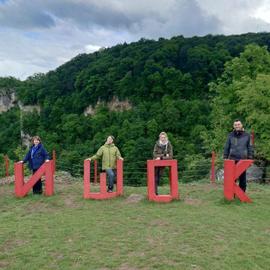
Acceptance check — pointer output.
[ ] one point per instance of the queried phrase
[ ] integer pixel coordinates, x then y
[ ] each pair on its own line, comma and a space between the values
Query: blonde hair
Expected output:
164, 134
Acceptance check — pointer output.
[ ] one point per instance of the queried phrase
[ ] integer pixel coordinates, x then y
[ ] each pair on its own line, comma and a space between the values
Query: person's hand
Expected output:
158, 158
120, 158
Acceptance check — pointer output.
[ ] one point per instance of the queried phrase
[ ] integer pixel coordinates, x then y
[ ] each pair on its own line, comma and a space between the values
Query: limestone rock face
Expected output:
7, 100
114, 105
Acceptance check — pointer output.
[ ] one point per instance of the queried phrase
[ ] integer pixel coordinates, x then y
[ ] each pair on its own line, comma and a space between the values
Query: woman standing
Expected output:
35, 157
162, 150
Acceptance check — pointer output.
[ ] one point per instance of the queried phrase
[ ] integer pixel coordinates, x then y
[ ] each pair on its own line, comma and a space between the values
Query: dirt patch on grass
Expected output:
134, 198
191, 201
159, 222
37, 207
6, 191
4, 264
127, 267
70, 202
9, 245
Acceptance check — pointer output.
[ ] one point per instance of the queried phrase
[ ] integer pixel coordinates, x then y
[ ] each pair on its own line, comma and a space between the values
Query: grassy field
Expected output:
201, 231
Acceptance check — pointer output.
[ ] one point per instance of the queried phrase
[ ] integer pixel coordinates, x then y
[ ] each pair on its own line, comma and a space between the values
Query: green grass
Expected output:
201, 231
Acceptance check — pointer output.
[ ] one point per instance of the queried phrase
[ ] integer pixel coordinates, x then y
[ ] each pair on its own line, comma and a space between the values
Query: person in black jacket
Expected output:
238, 146
162, 150
35, 157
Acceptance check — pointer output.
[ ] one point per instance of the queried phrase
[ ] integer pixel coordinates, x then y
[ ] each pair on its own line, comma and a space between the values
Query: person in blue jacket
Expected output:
35, 157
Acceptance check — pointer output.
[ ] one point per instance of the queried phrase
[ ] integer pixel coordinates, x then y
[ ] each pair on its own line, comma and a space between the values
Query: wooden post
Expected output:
213, 176
252, 137
6, 165
95, 171
54, 160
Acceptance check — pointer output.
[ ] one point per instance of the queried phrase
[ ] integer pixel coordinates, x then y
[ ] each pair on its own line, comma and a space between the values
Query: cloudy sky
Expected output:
40, 35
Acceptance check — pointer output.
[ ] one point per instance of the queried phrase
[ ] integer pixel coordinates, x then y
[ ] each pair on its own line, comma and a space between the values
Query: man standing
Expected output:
109, 154
237, 147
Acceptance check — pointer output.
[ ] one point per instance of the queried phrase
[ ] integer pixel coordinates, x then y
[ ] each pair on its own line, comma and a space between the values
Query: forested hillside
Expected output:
191, 88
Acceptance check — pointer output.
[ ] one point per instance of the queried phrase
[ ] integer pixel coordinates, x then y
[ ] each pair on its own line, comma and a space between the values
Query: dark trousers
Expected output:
242, 180
158, 173
37, 188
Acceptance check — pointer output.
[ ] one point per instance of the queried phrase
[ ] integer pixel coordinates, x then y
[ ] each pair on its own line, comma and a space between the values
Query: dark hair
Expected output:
237, 120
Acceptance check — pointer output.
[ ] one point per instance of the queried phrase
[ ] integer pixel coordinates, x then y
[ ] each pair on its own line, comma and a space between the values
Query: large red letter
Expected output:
231, 173
103, 194
22, 188
174, 194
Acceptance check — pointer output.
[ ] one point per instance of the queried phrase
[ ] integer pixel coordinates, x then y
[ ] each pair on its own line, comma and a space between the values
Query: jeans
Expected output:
111, 178
243, 181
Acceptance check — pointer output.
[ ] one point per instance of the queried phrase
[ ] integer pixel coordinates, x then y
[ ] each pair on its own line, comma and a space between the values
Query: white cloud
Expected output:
237, 17
91, 48
263, 12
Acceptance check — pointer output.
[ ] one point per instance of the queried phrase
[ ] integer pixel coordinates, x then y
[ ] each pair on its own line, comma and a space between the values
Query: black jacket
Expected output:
238, 146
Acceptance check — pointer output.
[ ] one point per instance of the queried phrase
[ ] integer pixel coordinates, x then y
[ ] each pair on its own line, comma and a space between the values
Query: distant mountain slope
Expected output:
163, 85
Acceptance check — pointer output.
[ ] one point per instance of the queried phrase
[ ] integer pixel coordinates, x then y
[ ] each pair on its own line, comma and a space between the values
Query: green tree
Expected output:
243, 91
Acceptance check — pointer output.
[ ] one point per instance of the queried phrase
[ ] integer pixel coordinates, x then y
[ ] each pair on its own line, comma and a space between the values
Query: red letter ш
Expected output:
103, 194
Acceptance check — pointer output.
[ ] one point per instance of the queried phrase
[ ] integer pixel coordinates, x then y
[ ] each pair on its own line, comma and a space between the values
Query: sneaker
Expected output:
110, 190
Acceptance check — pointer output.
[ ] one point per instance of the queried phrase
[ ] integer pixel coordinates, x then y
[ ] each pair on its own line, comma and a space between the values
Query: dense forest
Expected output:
192, 88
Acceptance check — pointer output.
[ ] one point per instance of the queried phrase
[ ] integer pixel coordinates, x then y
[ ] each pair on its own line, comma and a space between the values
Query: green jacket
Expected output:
109, 153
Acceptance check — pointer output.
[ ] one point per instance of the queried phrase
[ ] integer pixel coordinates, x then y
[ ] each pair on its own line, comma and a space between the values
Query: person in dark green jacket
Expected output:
162, 150
109, 154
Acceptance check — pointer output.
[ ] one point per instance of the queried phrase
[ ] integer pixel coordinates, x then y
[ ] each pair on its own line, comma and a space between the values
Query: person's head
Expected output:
237, 125
163, 137
36, 140
110, 139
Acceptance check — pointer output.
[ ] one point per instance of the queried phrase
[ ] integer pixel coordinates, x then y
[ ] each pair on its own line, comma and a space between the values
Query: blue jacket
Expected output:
37, 158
